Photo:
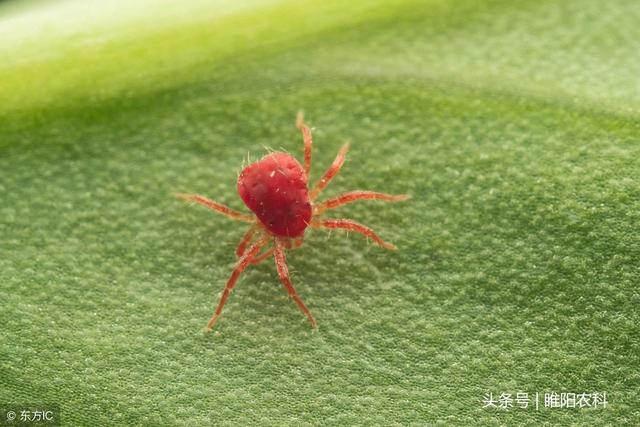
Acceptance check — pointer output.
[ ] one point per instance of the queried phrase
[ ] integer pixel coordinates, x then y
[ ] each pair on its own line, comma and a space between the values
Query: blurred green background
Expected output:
514, 125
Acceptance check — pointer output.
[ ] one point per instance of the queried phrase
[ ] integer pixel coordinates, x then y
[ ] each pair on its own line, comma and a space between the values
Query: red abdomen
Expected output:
275, 189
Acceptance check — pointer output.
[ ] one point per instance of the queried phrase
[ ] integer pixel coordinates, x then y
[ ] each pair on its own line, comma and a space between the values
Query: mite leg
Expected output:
306, 137
257, 260
218, 207
330, 173
283, 272
349, 225
352, 196
248, 236
241, 265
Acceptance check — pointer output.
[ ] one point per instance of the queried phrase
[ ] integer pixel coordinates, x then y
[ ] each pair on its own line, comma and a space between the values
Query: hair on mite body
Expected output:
283, 206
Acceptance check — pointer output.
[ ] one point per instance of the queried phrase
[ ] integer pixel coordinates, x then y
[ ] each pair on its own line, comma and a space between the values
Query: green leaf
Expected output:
513, 125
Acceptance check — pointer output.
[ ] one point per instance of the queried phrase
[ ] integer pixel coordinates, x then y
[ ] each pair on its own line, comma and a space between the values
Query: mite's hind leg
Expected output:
266, 255
241, 265
246, 240
283, 272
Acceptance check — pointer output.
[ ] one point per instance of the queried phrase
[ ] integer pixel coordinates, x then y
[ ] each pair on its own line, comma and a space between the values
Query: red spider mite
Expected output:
276, 190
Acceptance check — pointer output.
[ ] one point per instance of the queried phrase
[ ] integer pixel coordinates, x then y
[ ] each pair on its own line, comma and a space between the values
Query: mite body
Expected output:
276, 189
